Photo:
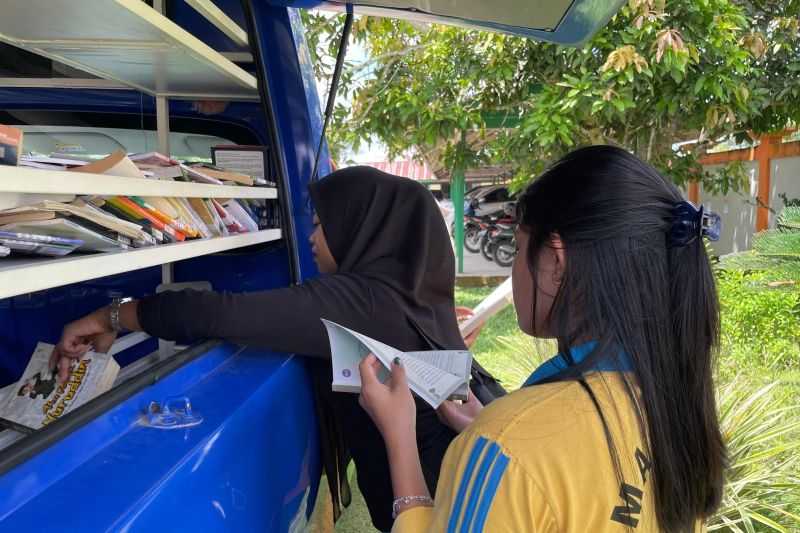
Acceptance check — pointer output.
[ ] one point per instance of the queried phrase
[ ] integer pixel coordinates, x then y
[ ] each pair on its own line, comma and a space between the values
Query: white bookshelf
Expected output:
130, 42
37, 181
21, 276
218, 18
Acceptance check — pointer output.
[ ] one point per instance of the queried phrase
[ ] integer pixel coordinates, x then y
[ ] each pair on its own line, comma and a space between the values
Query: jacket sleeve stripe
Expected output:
498, 469
477, 486
455, 513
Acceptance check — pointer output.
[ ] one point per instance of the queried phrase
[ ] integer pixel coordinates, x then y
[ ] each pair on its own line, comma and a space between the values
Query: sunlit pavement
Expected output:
477, 265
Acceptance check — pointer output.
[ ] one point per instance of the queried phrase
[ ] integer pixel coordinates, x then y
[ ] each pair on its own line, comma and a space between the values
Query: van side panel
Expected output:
252, 464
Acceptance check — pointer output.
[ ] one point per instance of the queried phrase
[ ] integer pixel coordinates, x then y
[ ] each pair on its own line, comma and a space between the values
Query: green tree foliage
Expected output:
661, 72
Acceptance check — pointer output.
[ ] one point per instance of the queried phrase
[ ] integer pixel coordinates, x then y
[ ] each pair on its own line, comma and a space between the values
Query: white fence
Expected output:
738, 210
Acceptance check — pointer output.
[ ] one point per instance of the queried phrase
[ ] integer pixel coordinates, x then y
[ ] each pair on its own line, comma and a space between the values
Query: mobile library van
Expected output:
224, 92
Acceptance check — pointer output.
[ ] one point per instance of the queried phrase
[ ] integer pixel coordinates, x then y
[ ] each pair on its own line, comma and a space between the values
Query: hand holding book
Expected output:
463, 314
390, 405
459, 415
92, 332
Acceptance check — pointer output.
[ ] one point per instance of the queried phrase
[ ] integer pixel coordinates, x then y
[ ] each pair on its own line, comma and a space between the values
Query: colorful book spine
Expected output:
163, 217
236, 211
232, 225
217, 219
246, 206
157, 235
126, 204
186, 210
207, 214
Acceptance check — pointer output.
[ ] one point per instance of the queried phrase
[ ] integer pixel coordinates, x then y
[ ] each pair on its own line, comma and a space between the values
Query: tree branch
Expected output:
397, 54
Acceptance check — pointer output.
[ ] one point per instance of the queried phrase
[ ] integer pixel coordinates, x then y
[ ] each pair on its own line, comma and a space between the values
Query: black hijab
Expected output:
388, 231
394, 282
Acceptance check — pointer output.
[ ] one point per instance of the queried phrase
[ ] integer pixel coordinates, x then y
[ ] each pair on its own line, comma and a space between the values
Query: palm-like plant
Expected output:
762, 491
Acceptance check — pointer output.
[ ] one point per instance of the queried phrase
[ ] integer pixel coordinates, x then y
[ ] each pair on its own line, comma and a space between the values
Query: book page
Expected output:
348, 347
430, 383
456, 362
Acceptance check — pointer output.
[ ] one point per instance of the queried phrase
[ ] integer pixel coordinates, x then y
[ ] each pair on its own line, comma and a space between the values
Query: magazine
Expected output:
434, 375
37, 244
37, 399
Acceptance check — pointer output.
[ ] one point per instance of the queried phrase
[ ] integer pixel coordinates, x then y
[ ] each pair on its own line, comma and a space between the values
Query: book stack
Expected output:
56, 227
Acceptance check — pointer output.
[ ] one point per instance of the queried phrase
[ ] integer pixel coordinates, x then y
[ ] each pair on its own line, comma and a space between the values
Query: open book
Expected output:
37, 399
434, 376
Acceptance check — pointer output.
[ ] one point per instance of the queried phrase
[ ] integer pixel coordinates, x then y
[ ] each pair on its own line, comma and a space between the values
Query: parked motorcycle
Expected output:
473, 226
495, 234
505, 247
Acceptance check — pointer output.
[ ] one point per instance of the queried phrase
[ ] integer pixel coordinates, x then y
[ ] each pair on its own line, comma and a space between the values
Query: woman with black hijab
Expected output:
388, 272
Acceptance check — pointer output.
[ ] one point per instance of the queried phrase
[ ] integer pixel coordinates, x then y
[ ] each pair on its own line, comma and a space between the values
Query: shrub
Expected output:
760, 322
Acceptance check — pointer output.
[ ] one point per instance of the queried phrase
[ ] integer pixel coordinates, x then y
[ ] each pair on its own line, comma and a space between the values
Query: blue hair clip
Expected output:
690, 223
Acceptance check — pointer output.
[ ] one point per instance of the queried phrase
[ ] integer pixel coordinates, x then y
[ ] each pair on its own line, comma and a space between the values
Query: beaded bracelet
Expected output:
406, 500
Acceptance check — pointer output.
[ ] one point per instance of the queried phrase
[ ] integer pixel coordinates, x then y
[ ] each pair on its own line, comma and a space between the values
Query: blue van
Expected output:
181, 76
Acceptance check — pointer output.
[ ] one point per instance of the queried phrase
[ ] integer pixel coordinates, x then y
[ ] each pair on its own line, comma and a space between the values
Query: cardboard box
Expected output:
10, 145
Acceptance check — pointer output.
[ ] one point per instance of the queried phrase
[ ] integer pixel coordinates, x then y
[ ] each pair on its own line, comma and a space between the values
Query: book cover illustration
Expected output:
37, 399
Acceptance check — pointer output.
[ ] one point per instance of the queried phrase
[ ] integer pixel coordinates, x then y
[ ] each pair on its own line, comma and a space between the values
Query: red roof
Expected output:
407, 168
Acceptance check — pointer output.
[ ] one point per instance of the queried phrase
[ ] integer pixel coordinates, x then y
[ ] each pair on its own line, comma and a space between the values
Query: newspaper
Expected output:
434, 376
37, 399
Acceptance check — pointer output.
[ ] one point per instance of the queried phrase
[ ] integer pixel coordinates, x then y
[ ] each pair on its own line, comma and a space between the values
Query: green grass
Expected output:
487, 350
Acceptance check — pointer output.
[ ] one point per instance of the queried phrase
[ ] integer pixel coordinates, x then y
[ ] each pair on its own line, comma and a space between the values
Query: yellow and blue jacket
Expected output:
538, 460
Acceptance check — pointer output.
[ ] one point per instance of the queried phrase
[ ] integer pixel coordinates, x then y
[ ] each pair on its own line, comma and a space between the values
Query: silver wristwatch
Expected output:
116, 303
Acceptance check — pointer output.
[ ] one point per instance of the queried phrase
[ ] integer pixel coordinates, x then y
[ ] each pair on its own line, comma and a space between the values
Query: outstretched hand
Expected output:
391, 405
92, 332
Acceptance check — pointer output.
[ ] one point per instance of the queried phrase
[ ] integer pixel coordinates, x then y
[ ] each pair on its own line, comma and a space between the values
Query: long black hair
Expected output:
628, 287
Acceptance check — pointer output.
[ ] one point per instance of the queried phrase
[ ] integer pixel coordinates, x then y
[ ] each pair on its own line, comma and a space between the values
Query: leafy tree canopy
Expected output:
662, 72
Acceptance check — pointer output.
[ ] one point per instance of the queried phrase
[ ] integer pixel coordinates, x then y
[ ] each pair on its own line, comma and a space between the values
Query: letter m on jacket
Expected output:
628, 512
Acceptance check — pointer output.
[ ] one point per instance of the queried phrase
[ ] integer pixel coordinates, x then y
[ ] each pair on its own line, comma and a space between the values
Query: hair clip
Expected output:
690, 223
